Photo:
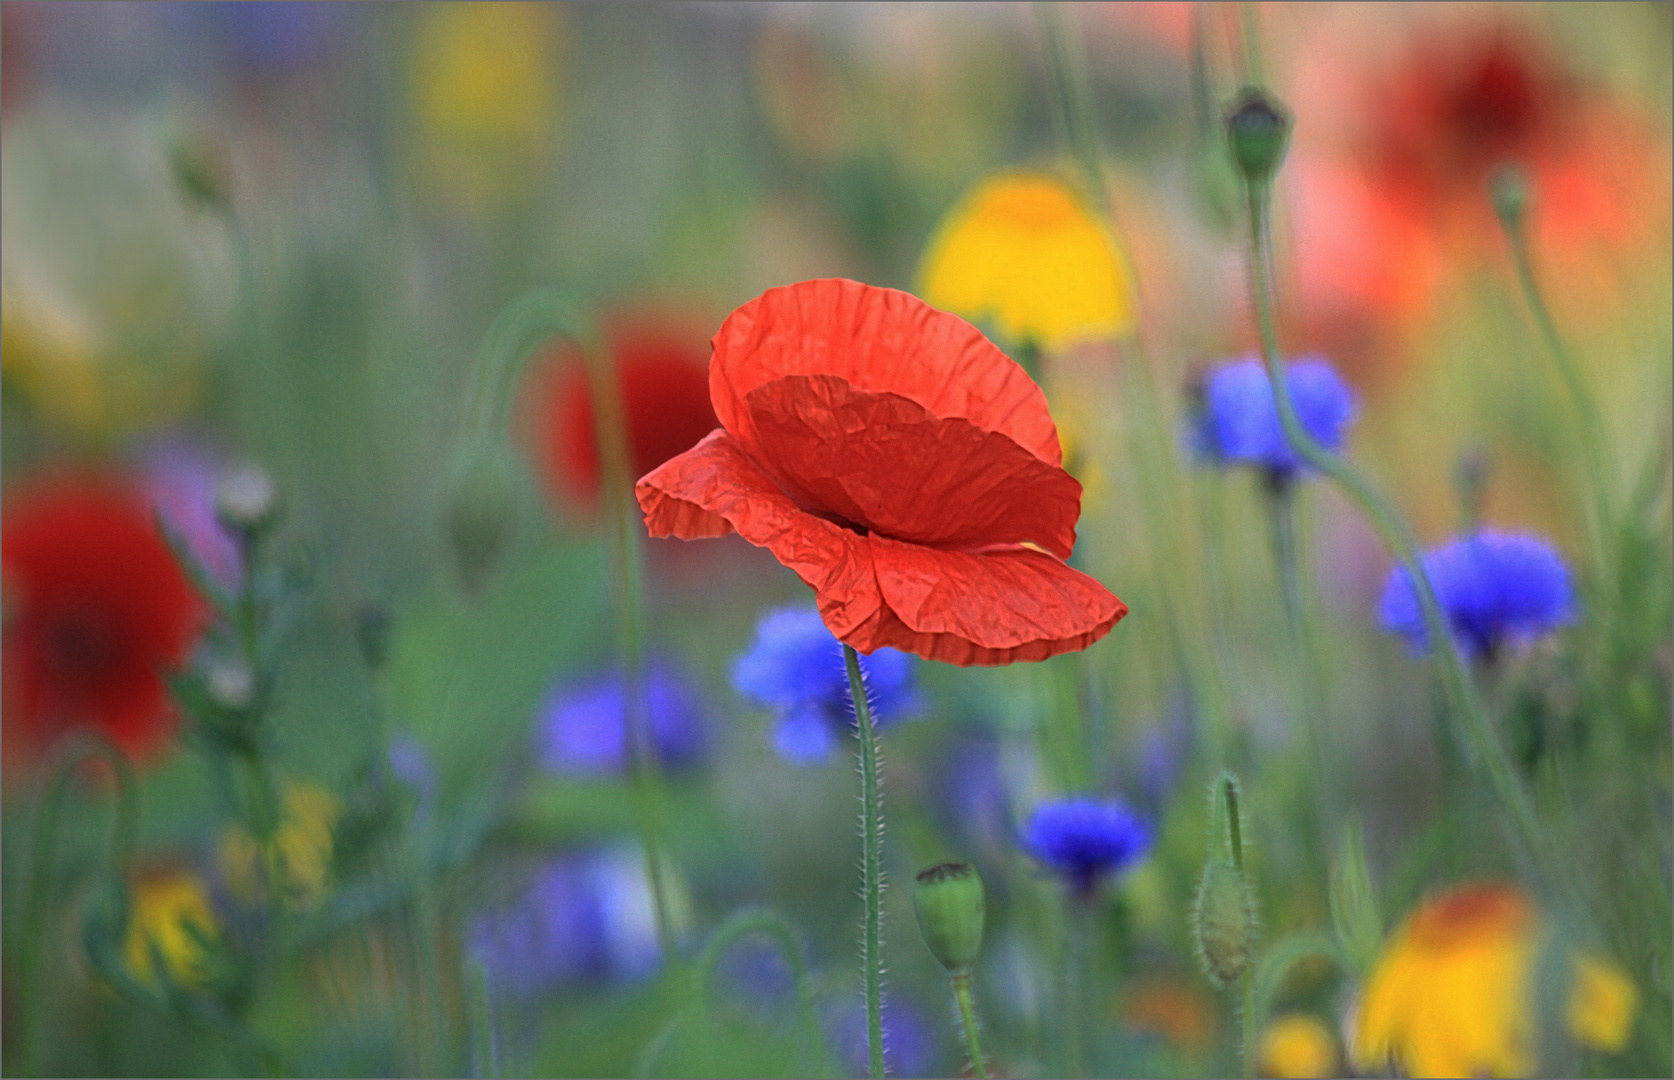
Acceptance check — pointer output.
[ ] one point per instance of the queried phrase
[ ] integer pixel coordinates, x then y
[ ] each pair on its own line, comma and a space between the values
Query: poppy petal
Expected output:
882, 341
714, 488
886, 463
988, 608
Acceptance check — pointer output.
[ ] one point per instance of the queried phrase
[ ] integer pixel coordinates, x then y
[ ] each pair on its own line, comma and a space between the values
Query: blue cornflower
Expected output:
582, 726
796, 666
586, 918
1495, 588
1237, 422
910, 1044
1084, 839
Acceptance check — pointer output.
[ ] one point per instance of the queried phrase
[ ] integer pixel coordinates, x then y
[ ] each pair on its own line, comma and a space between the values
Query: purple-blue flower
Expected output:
1237, 422
180, 479
910, 1045
586, 918
1085, 839
796, 667
582, 726
1495, 588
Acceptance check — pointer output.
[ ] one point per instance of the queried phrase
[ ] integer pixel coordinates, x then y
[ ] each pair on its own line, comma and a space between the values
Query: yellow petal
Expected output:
1602, 1004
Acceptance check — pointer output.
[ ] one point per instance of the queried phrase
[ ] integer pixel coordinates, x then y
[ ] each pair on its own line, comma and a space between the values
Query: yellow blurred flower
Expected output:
299, 855
1452, 993
171, 917
1024, 251
1298, 1045
484, 93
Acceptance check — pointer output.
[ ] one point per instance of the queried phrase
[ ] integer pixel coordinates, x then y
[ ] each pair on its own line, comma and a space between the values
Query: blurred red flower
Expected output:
665, 398
96, 611
902, 465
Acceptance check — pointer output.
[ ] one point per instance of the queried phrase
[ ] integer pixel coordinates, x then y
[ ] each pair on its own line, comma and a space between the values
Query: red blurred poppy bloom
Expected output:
902, 465
665, 398
96, 611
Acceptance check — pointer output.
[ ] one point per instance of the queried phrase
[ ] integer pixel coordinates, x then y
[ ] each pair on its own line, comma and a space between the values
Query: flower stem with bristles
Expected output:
973, 1046
871, 864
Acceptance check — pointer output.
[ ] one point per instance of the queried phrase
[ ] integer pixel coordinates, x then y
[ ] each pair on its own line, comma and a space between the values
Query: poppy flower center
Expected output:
82, 645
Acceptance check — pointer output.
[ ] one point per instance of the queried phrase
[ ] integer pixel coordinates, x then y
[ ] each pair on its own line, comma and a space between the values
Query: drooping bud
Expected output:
948, 900
1223, 914
246, 500
1258, 129
479, 511
1509, 187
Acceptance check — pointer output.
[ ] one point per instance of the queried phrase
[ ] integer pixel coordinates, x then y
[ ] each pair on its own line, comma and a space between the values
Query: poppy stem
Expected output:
1593, 437
871, 864
1397, 536
973, 1045
1281, 504
70, 754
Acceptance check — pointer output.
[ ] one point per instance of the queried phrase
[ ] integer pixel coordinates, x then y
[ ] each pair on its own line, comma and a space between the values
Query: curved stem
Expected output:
973, 1045
1398, 538
67, 757
527, 321
771, 925
871, 865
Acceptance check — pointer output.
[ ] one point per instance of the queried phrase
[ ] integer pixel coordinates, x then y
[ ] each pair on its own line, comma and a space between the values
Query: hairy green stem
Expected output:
69, 755
871, 865
973, 1044
1466, 707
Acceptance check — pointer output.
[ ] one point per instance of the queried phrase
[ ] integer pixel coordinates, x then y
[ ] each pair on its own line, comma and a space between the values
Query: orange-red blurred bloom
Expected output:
665, 400
905, 468
96, 610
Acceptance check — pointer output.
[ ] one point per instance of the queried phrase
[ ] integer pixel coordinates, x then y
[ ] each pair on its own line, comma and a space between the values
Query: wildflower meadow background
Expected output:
827, 539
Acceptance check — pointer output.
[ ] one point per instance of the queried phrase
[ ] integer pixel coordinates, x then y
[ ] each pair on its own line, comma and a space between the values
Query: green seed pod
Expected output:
950, 907
480, 511
1224, 923
1258, 128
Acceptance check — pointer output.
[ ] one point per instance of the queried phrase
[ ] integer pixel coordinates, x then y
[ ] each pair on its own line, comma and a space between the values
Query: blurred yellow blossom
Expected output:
1452, 993
1298, 1045
1024, 251
171, 916
299, 855
484, 93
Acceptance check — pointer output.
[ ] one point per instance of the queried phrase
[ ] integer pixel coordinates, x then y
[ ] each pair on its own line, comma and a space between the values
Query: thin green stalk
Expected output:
1473, 724
1247, 1018
527, 321
973, 1045
777, 928
69, 755
1305, 673
871, 865
486, 1035
1593, 435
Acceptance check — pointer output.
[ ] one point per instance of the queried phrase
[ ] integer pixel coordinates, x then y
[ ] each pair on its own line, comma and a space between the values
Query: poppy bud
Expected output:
1223, 923
1509, 187
479, 512
950, 907
246, 500
1258, 128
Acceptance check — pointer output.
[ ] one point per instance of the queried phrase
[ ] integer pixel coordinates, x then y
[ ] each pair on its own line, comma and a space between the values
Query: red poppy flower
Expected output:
903, 466
96, 610
665, 398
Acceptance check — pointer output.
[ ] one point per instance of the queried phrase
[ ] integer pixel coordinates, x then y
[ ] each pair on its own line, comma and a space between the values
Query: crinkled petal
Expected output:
883, 341
714, 488
886, 463
985, 608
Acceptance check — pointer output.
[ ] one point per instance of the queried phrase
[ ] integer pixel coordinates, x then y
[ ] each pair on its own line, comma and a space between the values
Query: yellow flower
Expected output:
1298, 1045
167, 908
484, 94
1452, 992
299, 854
1024, 252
